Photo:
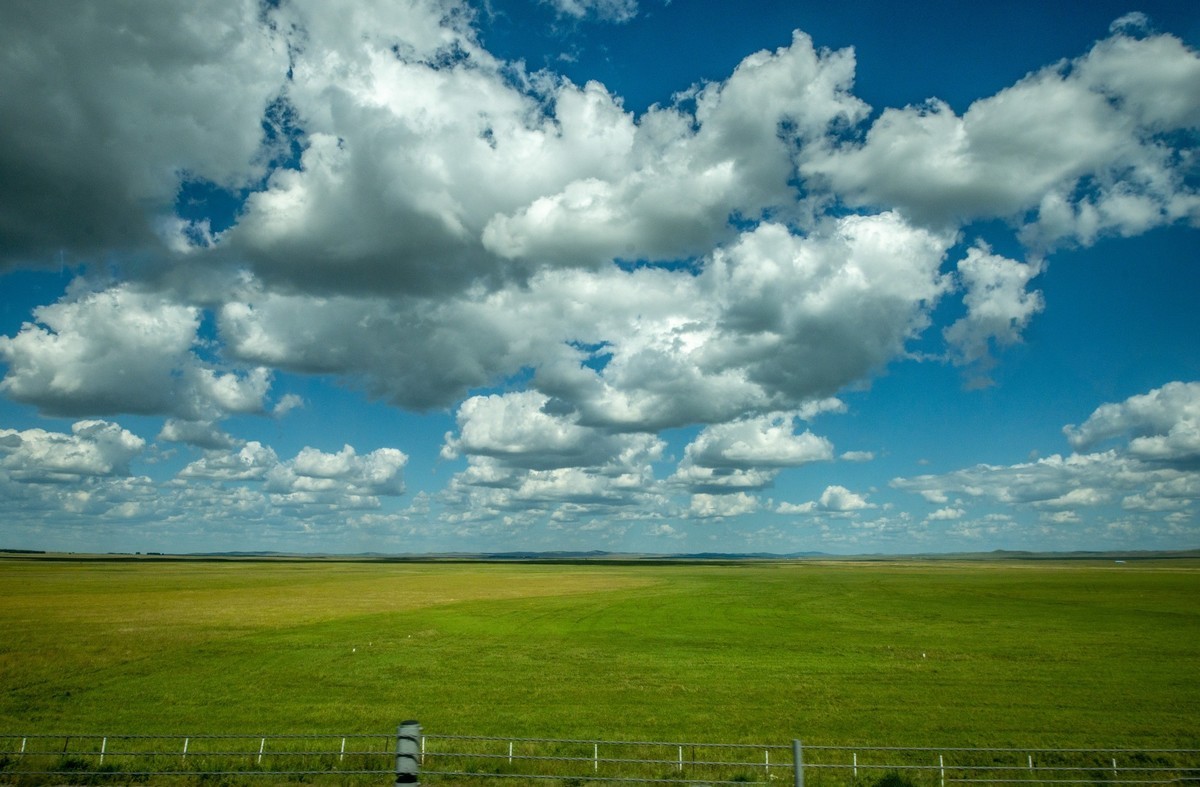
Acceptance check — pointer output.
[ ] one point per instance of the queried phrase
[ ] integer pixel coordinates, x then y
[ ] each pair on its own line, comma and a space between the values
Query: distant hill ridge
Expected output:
600, 556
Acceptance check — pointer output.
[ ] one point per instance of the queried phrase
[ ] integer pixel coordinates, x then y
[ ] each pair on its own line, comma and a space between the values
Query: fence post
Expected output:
408, 736
797, 763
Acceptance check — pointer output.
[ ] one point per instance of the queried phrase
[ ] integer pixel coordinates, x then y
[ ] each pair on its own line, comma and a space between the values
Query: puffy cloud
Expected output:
774, 322
803, 316
946, 514
770, 323
1046, 480
251, 462
1079, 497
840, 499
1164, 424
998, 307
415, 138
836, 499
203, 434
122, 350
314, 475
487, 490
720, 480
417, 354
523, 458
115, 350
109, 107
94, 448
233, 393
427, 169
707, 506
314, 483
1067, 485
1079, 144
688, 173
747, 454
517, 430
766, 441
286, 404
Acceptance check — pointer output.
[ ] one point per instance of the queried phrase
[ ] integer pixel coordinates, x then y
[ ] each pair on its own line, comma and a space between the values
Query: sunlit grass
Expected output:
937, 654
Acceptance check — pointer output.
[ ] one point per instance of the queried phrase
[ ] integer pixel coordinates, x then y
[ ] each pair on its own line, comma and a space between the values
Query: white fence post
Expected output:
855, 756
342, 753
942, 769
185, 743
262, 745
1115, 777
103, 746
797, 763
595, 756
681, 759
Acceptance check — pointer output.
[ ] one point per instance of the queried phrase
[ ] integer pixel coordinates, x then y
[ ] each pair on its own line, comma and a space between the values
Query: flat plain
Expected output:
912, 653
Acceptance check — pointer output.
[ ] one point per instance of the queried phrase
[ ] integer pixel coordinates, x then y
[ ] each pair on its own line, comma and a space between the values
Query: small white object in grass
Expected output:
922, 655
354, 650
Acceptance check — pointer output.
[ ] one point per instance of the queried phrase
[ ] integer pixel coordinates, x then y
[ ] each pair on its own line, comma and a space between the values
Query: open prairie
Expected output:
906, 653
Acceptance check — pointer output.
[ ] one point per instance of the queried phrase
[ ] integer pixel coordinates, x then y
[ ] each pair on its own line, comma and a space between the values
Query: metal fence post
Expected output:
797, 763
408, 737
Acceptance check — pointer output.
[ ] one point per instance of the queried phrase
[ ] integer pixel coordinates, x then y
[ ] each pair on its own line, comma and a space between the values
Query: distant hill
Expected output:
600, 556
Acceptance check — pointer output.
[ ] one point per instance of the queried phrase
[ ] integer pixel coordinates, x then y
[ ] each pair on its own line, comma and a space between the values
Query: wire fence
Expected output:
412, 757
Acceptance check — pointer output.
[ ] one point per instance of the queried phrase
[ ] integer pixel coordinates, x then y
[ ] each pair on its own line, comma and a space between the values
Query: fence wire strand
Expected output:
96, 759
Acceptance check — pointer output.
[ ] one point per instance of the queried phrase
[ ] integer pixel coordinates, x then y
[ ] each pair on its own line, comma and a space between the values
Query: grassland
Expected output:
942, 654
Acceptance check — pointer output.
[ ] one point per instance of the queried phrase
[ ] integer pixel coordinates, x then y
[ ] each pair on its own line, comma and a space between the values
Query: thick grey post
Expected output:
408, 749
798, 763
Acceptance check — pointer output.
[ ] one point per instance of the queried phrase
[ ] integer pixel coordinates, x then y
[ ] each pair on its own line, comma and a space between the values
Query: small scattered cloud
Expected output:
286, 404
599, 10
947, 514
1134, 22
836, 499
840, 499
1154, 469
999, 308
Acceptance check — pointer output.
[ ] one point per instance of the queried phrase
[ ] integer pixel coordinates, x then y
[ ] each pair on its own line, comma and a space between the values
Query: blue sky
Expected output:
599, 274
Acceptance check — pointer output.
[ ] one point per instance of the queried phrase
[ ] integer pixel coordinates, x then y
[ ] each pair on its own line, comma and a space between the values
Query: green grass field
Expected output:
924, 653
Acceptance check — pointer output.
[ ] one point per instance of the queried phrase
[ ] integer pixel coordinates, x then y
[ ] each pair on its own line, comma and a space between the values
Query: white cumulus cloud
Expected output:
1163, 424
93, 448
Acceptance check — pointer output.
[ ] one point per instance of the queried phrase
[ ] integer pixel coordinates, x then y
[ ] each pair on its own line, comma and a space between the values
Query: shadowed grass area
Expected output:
944, 654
